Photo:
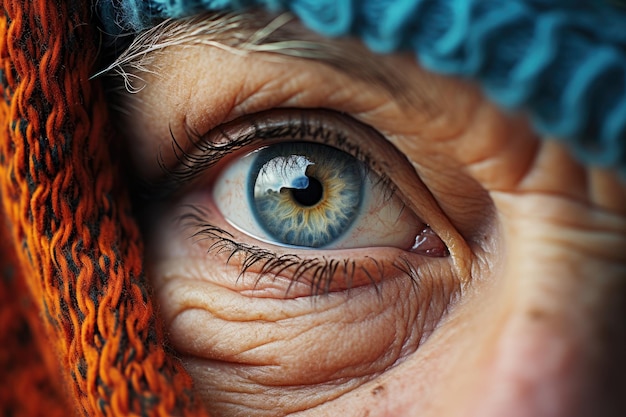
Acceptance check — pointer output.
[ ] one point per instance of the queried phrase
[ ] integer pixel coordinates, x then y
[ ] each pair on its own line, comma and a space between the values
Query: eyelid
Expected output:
253, 131
209, 154
204, 87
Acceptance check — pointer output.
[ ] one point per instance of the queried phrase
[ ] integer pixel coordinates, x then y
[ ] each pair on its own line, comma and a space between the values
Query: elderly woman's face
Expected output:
349, 235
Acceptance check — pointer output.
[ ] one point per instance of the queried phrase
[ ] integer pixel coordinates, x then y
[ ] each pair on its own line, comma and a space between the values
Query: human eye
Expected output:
314, 195
304, 194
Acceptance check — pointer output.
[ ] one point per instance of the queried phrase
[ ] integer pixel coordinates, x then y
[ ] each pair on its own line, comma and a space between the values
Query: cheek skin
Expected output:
293, 347
558, 347
555, 349
544, 338
547, 340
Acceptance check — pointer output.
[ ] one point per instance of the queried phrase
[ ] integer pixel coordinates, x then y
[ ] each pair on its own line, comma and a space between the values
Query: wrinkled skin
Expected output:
526, 317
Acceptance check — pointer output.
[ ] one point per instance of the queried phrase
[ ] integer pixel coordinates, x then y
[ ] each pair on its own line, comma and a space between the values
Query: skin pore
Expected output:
523, 318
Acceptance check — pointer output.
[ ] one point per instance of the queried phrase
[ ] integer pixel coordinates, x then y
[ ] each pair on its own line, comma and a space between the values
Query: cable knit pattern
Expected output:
563, 61
78, 289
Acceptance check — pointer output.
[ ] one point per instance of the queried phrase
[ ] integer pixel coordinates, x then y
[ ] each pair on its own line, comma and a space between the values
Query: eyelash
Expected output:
191, 165
274, 264
206, 152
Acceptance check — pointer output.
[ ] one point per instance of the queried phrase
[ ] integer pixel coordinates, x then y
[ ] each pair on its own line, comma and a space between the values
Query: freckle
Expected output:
536, 314
378, 390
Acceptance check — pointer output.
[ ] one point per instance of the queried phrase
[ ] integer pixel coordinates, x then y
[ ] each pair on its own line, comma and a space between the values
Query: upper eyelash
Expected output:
206, 153
323, 269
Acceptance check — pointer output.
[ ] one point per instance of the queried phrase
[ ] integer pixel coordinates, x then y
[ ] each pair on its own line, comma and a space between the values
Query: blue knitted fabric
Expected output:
563, 61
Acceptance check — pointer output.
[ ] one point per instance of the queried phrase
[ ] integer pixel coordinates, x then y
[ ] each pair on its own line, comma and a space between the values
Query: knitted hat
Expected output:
77, 323
78, 328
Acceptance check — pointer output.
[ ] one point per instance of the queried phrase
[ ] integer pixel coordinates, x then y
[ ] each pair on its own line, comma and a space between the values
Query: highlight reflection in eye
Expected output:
311, 195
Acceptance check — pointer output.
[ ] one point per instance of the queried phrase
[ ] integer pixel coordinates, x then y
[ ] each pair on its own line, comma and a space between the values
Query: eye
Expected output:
312, 195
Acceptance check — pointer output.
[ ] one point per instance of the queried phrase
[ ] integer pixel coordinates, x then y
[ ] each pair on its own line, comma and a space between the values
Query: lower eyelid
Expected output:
253, 331
399, 315
287, 272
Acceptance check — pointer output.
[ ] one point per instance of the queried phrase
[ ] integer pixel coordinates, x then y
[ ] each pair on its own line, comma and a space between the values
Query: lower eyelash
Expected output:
320, 272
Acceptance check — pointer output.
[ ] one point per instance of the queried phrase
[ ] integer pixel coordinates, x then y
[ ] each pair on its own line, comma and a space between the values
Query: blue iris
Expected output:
305, 194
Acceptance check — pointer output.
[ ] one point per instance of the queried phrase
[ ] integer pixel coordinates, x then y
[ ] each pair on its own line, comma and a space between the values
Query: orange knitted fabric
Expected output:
78, 329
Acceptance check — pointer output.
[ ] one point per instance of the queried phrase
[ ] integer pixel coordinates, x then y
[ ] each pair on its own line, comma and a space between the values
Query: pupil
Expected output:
310, 195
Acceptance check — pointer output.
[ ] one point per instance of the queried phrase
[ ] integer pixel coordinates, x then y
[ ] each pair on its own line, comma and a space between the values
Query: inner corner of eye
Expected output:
314, 196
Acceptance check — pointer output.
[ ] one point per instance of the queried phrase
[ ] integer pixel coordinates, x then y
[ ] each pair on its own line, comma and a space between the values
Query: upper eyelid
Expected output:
207, 150
186, 94
410, 86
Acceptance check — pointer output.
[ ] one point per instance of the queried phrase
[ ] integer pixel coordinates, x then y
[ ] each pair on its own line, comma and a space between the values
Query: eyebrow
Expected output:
281, 35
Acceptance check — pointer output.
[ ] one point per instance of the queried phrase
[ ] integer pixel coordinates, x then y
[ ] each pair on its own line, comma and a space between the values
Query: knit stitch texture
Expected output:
75, 285
562, 61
